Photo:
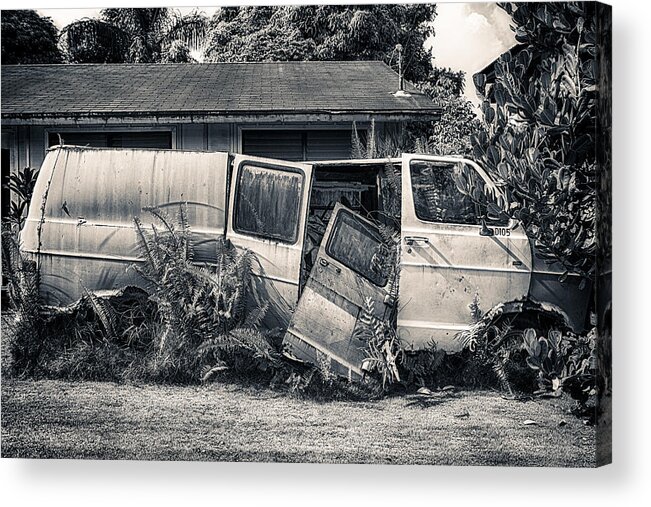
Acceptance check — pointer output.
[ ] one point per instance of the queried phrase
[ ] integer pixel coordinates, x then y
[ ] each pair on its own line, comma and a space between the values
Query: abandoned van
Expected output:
321, 260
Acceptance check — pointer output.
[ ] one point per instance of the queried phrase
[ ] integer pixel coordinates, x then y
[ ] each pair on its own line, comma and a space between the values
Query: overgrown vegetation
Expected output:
24, 329
200, 323
541, 115
21, 185
193, 323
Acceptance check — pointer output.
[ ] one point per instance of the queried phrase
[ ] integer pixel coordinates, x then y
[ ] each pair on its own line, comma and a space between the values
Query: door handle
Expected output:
410, 240
325, 263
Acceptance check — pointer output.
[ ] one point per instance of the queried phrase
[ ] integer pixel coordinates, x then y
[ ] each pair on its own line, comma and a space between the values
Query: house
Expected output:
487, 75
287, 110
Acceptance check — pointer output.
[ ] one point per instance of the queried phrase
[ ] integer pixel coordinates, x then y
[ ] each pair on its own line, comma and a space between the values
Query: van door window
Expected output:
268, 203
437, 197
359, 247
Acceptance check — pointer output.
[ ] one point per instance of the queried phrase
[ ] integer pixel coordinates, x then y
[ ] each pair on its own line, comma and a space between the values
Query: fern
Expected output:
491, 340
104, 312
21, 277
203, 310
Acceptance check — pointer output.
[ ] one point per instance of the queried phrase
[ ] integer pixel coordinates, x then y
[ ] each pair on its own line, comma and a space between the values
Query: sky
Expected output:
468, 36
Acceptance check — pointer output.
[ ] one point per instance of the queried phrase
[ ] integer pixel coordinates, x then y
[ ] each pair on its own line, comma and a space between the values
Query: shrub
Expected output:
564, 362
21, 184
540, 144
201, 310
25, 322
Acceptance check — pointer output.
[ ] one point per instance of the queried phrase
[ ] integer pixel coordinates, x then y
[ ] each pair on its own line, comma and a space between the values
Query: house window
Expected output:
436, 196
126, 139
359, 247
298, 145
268, 203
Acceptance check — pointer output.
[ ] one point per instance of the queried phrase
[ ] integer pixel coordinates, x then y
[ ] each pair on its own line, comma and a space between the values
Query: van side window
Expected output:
359, 247
437, 197
268, 203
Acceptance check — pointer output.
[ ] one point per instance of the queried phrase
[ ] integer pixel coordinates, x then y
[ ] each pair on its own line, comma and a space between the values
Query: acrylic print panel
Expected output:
322, 234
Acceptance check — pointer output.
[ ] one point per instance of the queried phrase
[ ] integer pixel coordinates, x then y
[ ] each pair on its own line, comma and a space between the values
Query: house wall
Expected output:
28, 143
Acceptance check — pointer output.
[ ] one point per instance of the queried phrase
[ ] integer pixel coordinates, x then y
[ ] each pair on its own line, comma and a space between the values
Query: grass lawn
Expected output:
222, 422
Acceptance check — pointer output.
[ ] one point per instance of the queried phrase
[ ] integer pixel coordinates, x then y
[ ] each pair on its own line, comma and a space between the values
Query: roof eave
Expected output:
167, 117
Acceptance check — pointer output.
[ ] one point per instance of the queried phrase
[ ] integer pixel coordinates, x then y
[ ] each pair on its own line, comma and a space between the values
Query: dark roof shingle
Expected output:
206, 88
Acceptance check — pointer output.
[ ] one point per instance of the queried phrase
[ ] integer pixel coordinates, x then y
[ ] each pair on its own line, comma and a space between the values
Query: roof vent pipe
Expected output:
401, 92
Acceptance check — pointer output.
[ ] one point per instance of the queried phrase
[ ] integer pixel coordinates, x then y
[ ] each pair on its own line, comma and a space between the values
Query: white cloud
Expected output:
468, 36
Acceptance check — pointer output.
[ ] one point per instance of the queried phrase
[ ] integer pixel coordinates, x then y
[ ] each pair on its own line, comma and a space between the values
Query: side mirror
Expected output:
485, 230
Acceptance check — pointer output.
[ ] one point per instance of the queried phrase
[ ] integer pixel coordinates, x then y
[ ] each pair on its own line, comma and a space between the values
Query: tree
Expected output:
541, 117
134, 35
452, 134
324, 32
28, 37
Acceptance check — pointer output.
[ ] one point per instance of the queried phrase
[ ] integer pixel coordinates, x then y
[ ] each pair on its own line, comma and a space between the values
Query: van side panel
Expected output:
80, 226
570, 297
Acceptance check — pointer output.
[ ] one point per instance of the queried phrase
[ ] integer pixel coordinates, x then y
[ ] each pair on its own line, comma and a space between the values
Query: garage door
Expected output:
148, 139
297, 144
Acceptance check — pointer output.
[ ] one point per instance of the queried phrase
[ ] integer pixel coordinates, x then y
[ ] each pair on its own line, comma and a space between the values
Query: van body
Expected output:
80, 231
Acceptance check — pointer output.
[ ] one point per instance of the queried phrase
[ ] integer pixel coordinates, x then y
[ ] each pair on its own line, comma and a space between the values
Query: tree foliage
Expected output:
451, 135
134, 36
540, 116
28, 38
324, 32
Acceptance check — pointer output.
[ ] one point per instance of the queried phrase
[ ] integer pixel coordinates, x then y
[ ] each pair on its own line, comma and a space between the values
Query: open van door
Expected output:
347, 289
451, 251
267, 214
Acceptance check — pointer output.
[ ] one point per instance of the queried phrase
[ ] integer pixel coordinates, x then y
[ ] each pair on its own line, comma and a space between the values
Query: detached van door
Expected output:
448, 256
347, 285
267, 214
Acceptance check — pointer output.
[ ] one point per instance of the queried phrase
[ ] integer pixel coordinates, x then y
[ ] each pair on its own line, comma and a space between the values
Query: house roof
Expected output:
489, 70
207, 89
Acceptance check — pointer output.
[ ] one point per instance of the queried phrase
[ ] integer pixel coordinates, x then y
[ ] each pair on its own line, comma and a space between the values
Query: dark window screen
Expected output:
359, 247
296, 145
144, 139
268, 203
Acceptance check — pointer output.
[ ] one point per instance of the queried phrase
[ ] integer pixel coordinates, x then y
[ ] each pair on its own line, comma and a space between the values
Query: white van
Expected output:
80, 231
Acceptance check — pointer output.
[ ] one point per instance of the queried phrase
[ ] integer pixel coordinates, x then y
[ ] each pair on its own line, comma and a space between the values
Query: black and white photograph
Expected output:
374, 234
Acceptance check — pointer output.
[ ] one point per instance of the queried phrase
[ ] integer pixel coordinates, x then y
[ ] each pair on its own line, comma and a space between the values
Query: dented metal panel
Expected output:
335, 297
80, 225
